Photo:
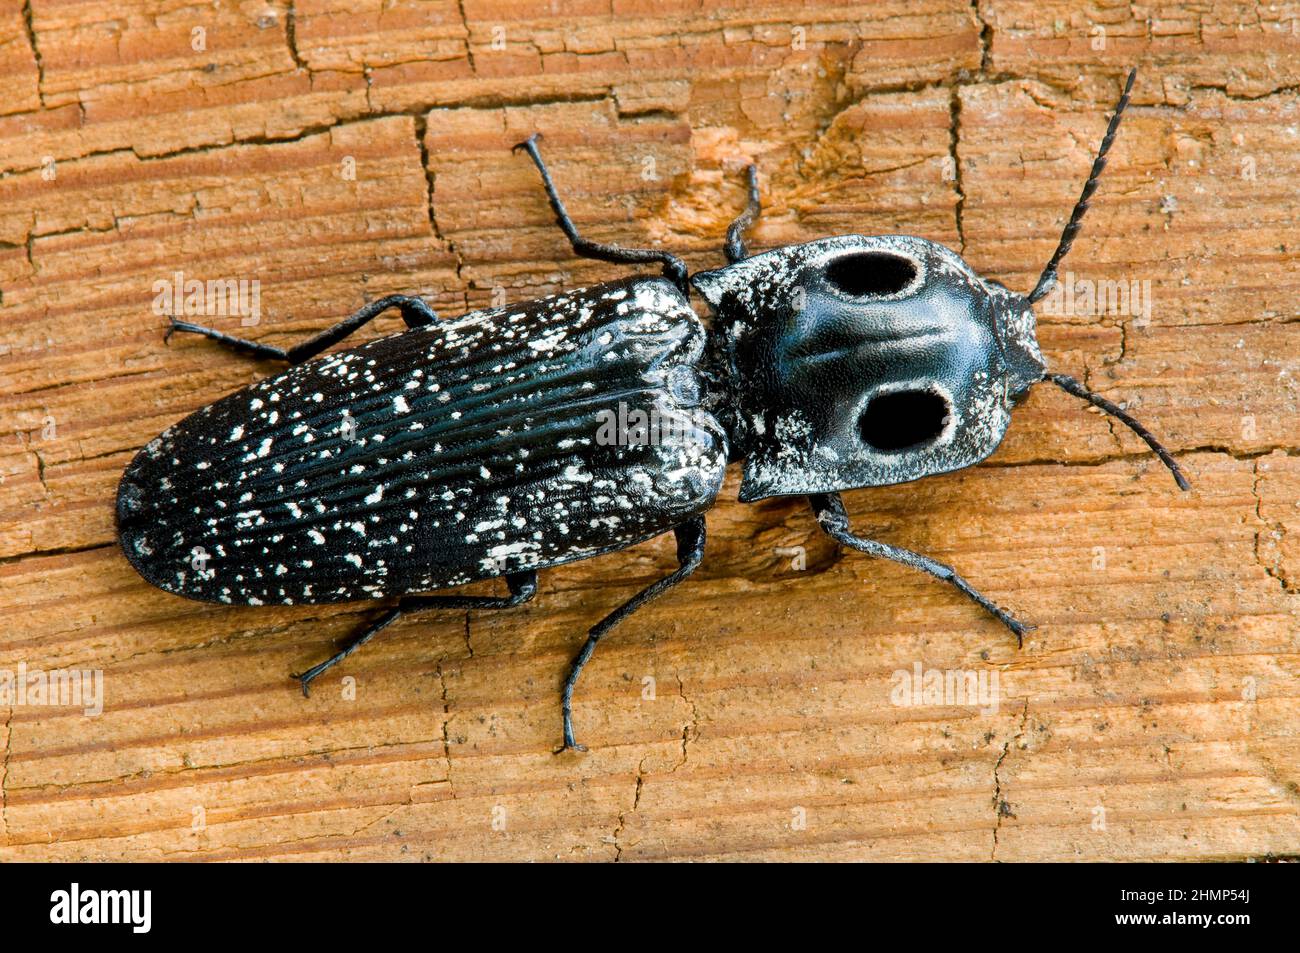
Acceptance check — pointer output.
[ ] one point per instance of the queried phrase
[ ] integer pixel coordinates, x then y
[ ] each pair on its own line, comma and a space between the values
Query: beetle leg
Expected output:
674, 267
523, 586
690, 550
829, 509
735, 247
415, 313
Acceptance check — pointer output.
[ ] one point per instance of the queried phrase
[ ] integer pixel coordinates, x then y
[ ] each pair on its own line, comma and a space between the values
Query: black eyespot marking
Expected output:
871, 274
904, 420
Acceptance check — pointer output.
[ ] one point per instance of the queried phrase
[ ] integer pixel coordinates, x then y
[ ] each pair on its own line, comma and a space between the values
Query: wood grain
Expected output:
339, 151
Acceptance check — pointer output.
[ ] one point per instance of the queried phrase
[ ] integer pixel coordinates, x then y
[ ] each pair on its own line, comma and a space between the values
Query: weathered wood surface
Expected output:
1159, 691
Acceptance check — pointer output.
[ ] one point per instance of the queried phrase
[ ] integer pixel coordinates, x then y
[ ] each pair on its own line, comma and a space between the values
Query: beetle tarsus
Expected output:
1018, 629
313, 673
252, 348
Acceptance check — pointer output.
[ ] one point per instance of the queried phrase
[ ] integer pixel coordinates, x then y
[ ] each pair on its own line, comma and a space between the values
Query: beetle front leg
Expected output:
832, 517
690, 551
735, 247
414, 311
522, 585
674, 267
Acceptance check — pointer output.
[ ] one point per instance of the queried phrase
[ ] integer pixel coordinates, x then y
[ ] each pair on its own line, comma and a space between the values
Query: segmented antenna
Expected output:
1048, 277
1072, 386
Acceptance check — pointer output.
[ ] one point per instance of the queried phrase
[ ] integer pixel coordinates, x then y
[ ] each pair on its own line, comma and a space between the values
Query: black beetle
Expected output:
525, 437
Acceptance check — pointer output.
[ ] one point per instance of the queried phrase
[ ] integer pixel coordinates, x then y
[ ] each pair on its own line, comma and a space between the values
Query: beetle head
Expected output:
864, 361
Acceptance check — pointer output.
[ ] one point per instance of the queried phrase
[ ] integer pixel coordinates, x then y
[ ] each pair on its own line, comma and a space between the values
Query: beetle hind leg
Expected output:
690, 551
414, 312
830, 513
522, 585
674, 267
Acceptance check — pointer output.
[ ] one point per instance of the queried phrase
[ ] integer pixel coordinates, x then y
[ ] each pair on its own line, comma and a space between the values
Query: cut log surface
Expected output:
336, 151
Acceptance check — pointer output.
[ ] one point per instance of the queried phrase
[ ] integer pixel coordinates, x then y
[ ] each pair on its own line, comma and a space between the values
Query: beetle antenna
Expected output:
1048, 277
1072, 386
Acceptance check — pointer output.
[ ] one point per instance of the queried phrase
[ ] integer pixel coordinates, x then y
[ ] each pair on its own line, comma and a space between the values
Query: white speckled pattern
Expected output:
444, 454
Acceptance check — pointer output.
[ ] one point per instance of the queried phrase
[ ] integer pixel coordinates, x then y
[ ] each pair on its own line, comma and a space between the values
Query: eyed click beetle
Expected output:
470, 449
